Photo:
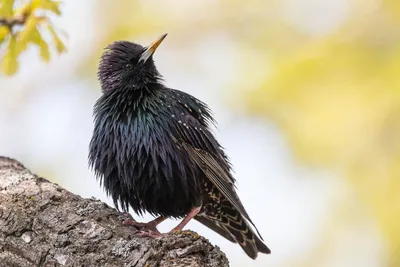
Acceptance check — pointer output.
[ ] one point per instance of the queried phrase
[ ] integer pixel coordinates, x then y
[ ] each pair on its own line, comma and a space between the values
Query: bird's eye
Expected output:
128, 66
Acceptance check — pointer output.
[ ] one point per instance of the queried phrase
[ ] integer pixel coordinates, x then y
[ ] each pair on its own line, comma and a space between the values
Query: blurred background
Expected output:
306, 93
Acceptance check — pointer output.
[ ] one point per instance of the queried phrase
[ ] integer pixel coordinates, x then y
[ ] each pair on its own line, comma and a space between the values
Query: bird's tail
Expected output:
231, 225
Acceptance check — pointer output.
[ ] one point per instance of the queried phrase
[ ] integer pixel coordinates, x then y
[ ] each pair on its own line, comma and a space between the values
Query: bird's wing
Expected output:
218, 177
205, 151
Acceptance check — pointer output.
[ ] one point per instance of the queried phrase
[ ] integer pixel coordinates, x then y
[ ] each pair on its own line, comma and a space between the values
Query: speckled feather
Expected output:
153, 150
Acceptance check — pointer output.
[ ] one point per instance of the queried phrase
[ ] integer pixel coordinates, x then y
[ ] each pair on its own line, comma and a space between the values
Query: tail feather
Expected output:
230, 224
215, 226
246, 237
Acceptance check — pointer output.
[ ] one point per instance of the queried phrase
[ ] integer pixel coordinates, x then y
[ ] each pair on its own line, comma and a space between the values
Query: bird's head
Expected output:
128, 65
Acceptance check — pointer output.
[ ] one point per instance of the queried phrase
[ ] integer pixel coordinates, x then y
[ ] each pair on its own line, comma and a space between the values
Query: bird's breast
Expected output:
157, 175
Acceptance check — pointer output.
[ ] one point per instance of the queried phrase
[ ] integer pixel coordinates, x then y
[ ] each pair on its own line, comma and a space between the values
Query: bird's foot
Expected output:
132, 222
129, 219
150, 233
145, 227
142, 226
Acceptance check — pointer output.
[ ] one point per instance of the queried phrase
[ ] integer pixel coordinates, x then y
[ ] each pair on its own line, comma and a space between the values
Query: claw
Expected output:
150, 233
149, 226
133, 223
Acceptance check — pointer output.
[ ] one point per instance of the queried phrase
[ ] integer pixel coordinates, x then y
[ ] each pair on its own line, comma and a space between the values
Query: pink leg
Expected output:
185, 221
150, 226
149, 233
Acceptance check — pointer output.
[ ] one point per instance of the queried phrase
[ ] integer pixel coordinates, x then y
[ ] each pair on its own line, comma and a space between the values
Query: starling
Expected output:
153, 150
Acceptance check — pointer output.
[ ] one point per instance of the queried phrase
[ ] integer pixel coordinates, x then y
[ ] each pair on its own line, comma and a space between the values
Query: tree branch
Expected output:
42, 224
11, 22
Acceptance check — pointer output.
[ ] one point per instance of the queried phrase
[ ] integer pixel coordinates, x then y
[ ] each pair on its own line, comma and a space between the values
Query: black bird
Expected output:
153, 150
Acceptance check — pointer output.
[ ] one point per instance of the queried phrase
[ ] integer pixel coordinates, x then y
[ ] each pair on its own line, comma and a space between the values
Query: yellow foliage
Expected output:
338, 102
59, 44
9, 64
50, 5
31, 32
3, 33
393, 6
6, 8
27, 34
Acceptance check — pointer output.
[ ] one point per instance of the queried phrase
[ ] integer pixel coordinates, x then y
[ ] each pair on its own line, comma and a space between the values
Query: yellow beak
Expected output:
152, 48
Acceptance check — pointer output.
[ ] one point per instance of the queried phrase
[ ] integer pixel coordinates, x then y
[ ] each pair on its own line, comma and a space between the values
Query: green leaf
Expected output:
9, 63
57, 41
6, 8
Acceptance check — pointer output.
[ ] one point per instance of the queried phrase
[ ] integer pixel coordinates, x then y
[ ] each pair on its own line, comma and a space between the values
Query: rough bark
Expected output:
42, 224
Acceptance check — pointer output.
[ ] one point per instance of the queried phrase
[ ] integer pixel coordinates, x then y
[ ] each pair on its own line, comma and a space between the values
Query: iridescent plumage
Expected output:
153, 150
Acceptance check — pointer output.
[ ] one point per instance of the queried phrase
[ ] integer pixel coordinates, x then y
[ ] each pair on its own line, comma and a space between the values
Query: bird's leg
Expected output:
149, 226
149, 233
193, 212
